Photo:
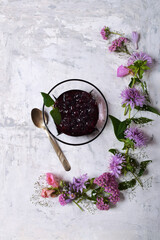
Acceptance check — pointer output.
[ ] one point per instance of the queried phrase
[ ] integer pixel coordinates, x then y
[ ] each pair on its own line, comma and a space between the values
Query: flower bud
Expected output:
122, 71
135, 38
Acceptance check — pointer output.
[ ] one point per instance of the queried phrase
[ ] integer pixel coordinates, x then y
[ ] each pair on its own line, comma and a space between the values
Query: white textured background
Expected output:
43, 42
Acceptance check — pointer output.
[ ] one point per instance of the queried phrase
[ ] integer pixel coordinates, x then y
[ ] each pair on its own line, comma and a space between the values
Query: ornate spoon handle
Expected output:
59, 152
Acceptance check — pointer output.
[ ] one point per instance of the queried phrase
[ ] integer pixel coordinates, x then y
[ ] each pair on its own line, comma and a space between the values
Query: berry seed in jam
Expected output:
79, 113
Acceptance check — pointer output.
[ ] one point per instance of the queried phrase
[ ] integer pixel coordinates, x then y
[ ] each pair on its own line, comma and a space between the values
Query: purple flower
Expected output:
108, 182
116, 164
119, 45
139, 56
122, 71
63, 199
72, 196
136, 135
135, 38
101, 205
104, 33
79, 183
70, 192
132, 97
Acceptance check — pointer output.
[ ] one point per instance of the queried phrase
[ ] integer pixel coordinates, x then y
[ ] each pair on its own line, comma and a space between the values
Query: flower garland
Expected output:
104, 191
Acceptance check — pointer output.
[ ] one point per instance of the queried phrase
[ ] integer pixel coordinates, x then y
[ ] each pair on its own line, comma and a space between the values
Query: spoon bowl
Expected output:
37, 118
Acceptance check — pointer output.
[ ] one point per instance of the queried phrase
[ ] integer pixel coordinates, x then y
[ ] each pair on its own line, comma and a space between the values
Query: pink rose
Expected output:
122, 71
52, 180
47, 193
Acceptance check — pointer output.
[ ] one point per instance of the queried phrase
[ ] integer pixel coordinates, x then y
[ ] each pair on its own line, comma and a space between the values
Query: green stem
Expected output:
137, 179
126, 153
116, 33
129, 112
80, 200
142, 85
127, 52
125, 111
133, 82
78, 205
124, 51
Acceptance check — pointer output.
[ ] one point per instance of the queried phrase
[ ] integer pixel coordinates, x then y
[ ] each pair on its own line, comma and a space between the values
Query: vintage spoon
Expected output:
37, 119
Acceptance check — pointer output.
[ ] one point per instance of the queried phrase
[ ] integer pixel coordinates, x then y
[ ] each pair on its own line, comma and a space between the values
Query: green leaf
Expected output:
132, 165
132, 67
138, 63
142, 85
116, 122
131, 83
122, 127
126, 110
114, 151
130, 168
61, 183
148, 108
141, 120
48, 101
119, 127
94, 195
127, 184
143, 166
146, 92
144, 62
138, 80
133, 162
56, 115
145, 67
97, 192
140, 72
89, 184
92, 180
138, 67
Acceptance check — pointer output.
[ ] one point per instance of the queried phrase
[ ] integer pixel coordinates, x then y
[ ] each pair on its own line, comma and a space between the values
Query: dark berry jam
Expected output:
79, 113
